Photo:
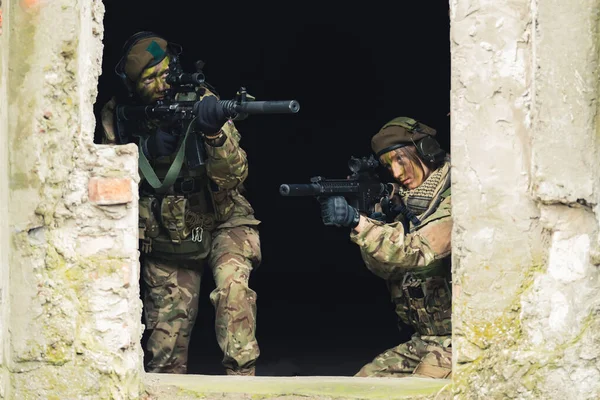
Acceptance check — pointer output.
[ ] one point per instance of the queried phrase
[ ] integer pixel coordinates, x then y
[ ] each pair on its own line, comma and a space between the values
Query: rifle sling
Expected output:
172, 173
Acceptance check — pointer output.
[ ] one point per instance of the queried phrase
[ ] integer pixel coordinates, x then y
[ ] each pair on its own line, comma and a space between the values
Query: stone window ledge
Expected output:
208, 387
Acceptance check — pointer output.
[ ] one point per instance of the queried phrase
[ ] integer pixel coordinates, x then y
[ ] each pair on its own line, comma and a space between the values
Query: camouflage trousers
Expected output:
429, 356
171, 303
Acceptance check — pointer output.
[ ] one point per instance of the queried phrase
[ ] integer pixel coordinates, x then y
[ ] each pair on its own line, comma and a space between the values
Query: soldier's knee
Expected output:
231, 271
241, 243
232, 291
236, 288
369, 370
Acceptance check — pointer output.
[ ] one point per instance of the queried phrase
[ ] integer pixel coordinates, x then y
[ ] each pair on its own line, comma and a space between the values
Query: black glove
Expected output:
336, 211
160, 144
210, 116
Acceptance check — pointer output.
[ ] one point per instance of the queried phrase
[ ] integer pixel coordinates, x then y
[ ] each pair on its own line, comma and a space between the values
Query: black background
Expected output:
320, 311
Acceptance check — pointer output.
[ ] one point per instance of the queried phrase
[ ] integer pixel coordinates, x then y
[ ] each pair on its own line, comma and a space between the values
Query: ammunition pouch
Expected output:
171, 230
428, 304
148, 224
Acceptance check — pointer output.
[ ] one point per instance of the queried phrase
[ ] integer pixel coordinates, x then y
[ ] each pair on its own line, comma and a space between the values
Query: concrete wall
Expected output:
525, 189
71, 249
4, 227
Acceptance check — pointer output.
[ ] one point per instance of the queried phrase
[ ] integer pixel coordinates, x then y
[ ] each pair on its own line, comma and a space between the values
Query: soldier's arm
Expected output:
227, 164
390, 245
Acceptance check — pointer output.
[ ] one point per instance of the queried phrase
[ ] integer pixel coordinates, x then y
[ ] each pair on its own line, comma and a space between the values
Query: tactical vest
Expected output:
424, 301
176, 223
423, 297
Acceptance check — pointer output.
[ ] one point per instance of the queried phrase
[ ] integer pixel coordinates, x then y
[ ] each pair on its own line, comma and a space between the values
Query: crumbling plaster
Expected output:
4, 196
74, 308
524, 88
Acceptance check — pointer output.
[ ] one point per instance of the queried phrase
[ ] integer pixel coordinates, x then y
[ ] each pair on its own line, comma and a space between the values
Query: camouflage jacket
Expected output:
416, 262
226, 166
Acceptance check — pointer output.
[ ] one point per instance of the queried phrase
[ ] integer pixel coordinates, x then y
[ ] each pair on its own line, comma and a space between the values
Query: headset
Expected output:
428, 148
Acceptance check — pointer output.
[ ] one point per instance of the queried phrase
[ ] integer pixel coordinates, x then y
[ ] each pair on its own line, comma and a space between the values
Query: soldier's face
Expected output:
407, 171
152, 85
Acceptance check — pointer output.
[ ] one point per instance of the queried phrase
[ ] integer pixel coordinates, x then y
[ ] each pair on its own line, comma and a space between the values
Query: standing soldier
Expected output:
200, 218
412, 253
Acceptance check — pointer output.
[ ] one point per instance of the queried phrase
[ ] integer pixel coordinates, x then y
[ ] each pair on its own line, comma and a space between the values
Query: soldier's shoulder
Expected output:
110, 105
107, 120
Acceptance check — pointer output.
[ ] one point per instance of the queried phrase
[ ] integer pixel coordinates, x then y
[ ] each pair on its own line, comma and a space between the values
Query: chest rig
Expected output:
423, 298
424, 301
176, 206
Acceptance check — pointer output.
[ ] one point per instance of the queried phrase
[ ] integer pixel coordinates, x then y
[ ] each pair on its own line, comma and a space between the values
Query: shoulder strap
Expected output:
446, 193
172, 173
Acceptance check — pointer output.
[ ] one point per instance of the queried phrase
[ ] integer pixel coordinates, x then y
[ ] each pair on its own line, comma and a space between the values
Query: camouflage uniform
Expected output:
414, 261
214, 211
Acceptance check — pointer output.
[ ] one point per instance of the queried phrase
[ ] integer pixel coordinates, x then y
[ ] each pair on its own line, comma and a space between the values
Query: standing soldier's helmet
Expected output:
142, 50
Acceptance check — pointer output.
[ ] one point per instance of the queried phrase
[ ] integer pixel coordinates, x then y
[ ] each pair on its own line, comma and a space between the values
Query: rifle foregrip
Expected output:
300, 189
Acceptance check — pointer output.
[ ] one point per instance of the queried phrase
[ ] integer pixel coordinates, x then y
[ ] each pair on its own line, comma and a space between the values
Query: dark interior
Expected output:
320, 311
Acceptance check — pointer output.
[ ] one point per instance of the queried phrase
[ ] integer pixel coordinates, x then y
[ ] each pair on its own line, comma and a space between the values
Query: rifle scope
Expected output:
363, 164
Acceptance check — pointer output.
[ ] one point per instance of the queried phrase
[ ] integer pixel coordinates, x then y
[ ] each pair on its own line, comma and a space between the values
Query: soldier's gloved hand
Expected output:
210, 116
159, 144
336, 211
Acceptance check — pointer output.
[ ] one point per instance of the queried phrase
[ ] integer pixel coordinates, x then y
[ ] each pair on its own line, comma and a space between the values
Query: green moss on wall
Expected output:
495, 336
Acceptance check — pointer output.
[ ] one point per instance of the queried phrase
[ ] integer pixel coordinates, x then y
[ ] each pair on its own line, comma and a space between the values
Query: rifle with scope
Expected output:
175, 111
363, 189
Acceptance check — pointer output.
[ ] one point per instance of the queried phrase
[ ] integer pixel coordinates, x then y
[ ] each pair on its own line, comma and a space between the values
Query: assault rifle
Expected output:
178, 112
362, 189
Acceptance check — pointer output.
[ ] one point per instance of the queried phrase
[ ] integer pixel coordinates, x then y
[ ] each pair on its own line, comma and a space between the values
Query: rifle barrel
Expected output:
300, 189
260, 107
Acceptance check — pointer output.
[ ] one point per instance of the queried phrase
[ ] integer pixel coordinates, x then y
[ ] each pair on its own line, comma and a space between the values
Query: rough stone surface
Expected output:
72, 252
526, 304
4, 198
525, 201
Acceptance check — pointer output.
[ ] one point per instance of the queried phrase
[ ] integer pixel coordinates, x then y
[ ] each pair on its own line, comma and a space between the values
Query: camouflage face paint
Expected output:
405, 167
152, 84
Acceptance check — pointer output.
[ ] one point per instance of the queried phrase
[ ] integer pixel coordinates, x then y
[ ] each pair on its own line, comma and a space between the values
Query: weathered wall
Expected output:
72, 213
524, 147
4, 230
524, 90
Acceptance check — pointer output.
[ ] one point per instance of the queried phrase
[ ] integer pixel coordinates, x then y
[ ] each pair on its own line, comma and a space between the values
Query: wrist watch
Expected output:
215, 136
216, 140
